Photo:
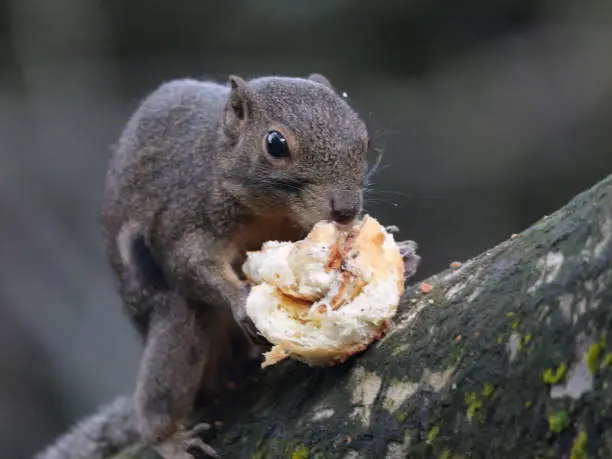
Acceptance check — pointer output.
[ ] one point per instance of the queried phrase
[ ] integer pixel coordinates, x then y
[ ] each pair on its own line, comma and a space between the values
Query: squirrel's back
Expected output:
169, 138
164, 158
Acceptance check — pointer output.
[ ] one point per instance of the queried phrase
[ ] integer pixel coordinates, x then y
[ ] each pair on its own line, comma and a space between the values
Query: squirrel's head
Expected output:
302, 146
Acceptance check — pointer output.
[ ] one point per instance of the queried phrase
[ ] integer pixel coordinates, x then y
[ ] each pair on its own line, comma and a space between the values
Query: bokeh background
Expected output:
490, 114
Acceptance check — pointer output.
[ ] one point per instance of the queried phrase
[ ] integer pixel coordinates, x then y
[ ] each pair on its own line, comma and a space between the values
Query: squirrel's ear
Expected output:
238, 107
318, 78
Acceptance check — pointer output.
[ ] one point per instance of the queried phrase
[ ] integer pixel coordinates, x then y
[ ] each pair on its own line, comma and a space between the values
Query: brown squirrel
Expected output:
202, 173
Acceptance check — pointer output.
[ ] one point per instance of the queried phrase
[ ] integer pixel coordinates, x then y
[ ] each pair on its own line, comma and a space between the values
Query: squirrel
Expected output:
202, 173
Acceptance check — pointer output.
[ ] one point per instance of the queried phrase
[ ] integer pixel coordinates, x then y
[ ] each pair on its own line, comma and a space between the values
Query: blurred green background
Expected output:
490, 114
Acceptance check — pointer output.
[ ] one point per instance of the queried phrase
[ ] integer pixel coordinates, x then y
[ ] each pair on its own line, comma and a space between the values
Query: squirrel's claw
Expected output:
203, 449
187, 444
392, 229
410, 258
199, 429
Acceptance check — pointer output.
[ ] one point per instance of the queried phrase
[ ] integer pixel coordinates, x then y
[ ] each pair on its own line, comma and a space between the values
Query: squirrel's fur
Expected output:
100, 436
192, 186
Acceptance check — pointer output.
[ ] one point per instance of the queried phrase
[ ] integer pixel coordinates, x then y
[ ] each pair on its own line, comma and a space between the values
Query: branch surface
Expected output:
508, 356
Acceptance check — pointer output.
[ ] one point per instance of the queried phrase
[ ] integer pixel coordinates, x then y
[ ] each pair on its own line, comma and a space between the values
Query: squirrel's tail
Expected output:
99, 436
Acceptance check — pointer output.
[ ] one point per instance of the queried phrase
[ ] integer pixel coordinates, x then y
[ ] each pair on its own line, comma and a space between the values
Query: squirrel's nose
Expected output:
345, 206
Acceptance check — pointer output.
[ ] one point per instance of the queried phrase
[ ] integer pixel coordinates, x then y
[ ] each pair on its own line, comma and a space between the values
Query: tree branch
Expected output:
507, 357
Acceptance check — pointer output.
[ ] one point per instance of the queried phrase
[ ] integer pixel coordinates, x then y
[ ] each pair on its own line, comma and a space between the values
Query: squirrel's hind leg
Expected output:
176, 352
186, 444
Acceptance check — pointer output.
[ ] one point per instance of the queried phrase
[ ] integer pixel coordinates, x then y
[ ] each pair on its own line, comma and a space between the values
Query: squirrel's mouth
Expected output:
345, 220
344, 223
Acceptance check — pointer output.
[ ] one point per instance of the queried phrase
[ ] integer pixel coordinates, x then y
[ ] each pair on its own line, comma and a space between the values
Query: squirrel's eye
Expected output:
276, 144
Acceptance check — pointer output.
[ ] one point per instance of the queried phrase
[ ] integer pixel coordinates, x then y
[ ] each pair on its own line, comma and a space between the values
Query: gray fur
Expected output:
99, 436
190, 188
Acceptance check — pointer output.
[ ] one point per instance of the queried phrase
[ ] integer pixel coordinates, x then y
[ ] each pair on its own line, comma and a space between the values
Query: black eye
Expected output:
276, 144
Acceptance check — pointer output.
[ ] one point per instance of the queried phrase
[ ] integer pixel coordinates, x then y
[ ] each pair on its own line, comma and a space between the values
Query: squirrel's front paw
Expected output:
408, 253
187, 444
410, 258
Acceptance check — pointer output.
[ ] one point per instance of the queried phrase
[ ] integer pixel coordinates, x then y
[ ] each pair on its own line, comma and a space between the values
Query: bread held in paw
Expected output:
326, 297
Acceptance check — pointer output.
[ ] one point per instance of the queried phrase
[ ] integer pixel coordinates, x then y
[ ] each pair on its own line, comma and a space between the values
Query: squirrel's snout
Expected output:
345, 206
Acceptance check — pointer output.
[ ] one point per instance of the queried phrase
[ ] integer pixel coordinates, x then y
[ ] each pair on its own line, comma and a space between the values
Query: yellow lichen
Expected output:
550, 376
593, 356
579, 447
433, 434
558, 421
487, 390
473, 403
301, 452
524, 340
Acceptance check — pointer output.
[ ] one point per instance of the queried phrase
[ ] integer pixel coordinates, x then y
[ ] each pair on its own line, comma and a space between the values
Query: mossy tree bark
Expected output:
509, 356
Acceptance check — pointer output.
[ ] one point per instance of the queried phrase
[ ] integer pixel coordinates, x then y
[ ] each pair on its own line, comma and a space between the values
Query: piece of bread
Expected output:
326, 297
